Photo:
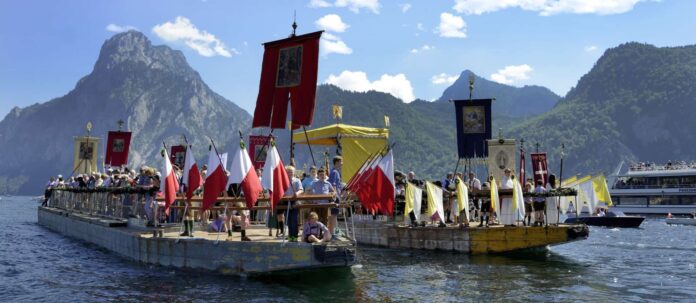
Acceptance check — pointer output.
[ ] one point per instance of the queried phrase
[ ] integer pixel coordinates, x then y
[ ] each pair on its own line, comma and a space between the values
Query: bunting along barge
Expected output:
471, 240
106, 218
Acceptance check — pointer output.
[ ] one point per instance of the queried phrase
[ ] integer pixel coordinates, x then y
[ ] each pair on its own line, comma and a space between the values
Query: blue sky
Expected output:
411, 49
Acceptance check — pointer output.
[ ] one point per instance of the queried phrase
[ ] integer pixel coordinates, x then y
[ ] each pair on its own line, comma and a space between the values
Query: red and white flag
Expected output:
275, 178
168, 184
215, 180
540, 168
242, 172
192, 176
363, 187
383, 186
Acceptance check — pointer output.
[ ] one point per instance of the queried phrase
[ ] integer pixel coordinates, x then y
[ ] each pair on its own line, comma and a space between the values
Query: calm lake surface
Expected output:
655, 263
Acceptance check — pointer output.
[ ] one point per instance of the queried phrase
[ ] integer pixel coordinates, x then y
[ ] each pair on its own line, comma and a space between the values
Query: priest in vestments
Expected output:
508, 213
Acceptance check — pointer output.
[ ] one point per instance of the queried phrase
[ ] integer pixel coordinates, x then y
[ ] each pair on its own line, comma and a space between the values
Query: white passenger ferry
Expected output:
648, 188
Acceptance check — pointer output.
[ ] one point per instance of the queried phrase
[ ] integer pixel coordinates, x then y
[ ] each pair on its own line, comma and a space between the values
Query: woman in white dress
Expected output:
508, 213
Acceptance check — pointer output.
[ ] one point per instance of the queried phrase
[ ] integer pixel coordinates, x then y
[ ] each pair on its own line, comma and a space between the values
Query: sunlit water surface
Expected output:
652, 263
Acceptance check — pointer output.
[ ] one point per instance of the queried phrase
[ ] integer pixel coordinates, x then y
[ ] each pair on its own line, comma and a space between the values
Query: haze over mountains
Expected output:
634, 104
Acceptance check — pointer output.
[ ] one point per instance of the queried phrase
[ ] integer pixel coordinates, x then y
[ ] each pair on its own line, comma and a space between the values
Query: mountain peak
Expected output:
124, 50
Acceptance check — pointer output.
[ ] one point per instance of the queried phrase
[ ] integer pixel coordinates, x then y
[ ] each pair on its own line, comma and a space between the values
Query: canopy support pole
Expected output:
309, 145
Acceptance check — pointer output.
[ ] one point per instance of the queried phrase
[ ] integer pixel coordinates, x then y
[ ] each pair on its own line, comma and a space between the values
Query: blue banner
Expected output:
473, 127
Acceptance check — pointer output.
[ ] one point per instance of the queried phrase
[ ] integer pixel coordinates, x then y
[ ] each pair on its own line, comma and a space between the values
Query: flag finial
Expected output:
294, 23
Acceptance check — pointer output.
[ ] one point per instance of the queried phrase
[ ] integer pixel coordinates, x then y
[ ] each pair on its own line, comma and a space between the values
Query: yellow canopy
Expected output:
357, 143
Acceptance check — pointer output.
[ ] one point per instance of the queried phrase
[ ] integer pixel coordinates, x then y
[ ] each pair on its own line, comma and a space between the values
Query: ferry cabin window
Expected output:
630, 200
656, 182
664, 200
687, 200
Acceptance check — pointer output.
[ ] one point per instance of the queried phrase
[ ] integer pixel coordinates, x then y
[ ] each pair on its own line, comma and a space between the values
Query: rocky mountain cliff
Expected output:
152, 88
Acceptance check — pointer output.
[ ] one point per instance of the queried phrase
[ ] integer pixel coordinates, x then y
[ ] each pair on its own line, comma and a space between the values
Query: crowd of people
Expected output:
325, 182
314, 181
648, 166
113, 178
536, 210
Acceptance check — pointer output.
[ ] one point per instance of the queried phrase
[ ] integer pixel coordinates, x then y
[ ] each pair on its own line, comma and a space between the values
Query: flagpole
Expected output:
560, 183
309, 145
292, 146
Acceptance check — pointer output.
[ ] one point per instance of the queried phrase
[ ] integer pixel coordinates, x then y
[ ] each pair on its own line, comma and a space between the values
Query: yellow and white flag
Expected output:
463, 197
518, 199
414, 197
495, 199
435, 201
337, 111
601, 189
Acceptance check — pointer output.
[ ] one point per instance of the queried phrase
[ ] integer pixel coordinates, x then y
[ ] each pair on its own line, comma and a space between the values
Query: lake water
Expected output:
655, 263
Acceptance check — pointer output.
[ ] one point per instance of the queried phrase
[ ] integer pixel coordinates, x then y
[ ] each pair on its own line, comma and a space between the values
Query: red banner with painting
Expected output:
258, 147
117, 146
177, 155
289, 72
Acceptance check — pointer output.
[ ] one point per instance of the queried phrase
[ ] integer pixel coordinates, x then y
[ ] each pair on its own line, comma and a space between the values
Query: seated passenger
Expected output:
314, 231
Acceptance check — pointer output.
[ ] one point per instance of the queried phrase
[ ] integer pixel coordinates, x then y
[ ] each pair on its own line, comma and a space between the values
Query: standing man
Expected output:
335, 180
447, 195
475, 184
294, 190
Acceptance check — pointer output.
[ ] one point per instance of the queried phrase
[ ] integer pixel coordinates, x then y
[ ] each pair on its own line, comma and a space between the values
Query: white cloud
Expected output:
333, 44
397, 85
590, 48
547, 7
353, 5
119, 28
332, 22
512, 73
405, 7
444, 79
420, 27
451, 26
318, 3
422, 49
182, 30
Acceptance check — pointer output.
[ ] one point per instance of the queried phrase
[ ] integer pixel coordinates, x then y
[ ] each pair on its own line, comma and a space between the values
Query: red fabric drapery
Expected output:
117, 146
289, 71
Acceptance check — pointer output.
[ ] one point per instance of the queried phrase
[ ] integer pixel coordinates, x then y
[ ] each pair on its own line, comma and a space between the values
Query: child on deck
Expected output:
315, 231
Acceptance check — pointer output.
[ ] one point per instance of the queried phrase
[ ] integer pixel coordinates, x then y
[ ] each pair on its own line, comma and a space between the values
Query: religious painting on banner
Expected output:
501, 155
85, 155
289, 71
540, 168
473, 127
177, 155
117, 147
258, 149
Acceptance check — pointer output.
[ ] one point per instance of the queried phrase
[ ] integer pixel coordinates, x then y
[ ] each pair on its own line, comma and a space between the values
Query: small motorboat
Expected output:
613, 218
681, 221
